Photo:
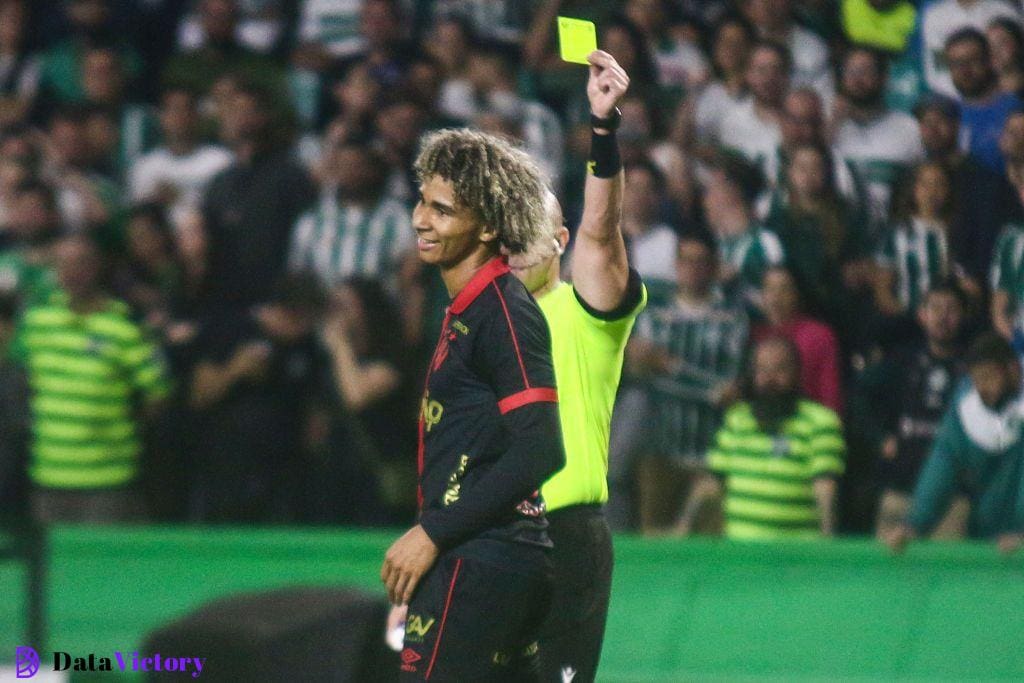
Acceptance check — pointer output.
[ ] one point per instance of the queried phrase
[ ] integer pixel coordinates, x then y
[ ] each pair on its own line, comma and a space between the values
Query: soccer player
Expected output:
590, 320
474, 571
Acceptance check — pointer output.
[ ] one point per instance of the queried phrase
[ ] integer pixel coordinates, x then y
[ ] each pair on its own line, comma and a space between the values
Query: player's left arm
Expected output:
600, 273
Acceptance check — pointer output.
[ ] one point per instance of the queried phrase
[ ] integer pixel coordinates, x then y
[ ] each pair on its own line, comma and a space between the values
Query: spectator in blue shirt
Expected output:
984, 107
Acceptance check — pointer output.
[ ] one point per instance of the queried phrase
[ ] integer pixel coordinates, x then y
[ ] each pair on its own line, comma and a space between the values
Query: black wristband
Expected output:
604, 155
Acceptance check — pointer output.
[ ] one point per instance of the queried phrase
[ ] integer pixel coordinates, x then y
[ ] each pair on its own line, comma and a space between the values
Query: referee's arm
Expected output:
600, 273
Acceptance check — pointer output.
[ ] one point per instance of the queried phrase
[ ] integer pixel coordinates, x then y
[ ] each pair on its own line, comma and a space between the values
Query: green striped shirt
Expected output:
750, 255
84, 371
918, 253
707, 344
769, 478
1008, 265
337, 240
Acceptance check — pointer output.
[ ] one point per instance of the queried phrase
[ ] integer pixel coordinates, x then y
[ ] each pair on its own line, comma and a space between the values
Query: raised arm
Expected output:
600, 270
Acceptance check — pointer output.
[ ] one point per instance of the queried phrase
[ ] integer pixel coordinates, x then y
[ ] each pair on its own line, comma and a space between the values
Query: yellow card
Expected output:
577, 38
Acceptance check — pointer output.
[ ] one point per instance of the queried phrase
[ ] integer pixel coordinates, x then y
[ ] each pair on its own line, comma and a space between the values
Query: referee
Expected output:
475, 571
590, 321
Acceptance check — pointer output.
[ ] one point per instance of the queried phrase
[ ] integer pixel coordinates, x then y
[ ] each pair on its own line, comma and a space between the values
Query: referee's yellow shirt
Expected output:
587, 353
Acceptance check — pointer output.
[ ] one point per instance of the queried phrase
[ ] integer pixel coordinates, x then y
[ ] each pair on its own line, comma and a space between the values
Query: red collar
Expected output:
485, 276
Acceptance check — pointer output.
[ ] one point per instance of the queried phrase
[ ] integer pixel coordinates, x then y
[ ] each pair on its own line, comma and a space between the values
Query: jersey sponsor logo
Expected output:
460, 327
781, 447
431, 412
416, 628
409, 658
568, 673
454, 489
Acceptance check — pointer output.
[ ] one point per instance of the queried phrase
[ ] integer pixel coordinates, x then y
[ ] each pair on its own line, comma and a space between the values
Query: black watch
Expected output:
610, 123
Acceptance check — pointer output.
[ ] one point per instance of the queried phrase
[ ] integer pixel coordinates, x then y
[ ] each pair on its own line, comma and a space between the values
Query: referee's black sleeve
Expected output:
513, 354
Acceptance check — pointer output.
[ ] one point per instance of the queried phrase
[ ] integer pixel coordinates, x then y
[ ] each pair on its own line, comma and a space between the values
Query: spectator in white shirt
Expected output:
752, 127
177, 172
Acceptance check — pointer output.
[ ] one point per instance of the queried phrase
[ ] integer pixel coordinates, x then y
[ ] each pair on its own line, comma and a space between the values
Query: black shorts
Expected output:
571, 638
474, 621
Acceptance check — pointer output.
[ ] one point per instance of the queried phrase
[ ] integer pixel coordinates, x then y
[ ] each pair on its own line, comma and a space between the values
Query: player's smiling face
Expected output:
446, 232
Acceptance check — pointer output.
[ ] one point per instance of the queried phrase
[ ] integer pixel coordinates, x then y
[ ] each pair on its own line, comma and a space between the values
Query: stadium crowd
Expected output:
211, 309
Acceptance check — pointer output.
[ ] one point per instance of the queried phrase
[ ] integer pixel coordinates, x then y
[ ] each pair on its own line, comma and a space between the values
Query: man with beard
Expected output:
880, 143
984, 107
979, 450
777, 456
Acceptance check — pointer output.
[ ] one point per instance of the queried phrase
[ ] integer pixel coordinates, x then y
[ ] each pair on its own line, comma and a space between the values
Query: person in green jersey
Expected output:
590, 320
89, 368
978, 450
777, 456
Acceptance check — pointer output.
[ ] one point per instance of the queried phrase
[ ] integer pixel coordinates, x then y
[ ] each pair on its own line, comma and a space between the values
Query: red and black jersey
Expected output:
489, 430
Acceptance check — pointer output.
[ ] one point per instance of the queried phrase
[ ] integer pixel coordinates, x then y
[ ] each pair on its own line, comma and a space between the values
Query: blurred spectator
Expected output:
87, 363
258, 24
492, 77
1007, 273
826, 246
652, 245
355, 229
979, 450
909, 393
984, 107
683, 360
221, 54
88, 199
449, 43
501, 20
746, 248
730, 48
915, 254
176, 173
20, 70
386, 51
92, 25
776, 457
27, 265
152, 280
680, 63
879, 142
373, 376
1006, 42
809, 66
941, 19
250, 208
752, 127
260, 390
14, 419
803, 123
104, 86
329, 29
400, 123
820, 365
982, 199
881, 24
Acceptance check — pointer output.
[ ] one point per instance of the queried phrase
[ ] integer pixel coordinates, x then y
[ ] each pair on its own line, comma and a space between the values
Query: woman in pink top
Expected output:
819, 350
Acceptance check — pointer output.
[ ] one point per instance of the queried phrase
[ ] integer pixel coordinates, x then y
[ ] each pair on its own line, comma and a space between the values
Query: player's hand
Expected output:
607, 84
1010, 543
405, 563
890, 448
898, 538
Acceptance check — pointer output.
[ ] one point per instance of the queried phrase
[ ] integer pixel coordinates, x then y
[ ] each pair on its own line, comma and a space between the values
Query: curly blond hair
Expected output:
491, 177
